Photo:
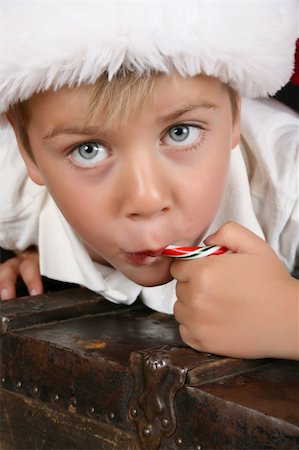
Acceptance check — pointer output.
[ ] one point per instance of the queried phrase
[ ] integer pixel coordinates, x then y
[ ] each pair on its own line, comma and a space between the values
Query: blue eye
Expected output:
179, 134
182, 135
89, 153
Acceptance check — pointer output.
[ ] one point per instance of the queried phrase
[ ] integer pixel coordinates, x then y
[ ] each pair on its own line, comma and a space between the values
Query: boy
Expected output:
127, 116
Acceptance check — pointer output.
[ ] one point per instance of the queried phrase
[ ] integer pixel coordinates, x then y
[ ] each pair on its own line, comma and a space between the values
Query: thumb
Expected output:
236, 238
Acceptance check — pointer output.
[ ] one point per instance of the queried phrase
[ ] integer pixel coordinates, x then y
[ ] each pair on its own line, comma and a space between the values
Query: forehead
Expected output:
116, 101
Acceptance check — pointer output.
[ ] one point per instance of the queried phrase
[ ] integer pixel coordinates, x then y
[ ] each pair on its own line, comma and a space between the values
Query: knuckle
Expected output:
177, 269
226, 228
206, 275
30, 263
30, 254
179, 290
177, 310
33, 256
190, 338
25, 265
193, 301
173, 269
185, 334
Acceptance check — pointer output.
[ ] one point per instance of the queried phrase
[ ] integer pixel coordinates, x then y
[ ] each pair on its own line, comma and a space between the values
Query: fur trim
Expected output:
248, 44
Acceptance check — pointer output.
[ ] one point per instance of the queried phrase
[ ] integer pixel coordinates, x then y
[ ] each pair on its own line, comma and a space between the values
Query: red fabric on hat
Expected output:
295, 76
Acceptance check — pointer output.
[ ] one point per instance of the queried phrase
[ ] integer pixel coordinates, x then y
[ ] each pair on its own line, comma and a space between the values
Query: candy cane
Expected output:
174, 251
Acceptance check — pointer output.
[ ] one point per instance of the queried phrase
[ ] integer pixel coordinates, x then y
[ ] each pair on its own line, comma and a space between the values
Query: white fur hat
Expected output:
248, 44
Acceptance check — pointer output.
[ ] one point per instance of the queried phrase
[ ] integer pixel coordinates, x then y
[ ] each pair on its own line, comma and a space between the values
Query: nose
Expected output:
146, 192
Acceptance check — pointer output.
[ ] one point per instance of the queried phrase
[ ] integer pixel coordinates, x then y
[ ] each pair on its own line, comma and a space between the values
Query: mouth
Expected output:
144, 257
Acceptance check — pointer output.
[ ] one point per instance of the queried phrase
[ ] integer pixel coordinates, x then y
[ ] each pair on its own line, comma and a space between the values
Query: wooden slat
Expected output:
61, 305
28, 424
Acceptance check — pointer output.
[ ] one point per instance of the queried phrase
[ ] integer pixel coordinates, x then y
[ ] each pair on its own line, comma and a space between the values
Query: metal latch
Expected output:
152, 405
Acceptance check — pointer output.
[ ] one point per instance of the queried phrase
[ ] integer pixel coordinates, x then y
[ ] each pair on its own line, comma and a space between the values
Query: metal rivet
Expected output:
35, 390
147, 431
198, 447
134, 413
55, 398
111, 415
178, 442
18, 384
5, 325
165, 423
91, 410
74, 402
3, 380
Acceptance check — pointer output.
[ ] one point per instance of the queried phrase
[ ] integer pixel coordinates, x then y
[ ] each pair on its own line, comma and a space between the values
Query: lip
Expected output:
144, 257
151, 252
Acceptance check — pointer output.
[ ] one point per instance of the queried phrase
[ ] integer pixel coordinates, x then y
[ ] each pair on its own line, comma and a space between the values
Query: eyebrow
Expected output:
188, 108
61, 130
92, 131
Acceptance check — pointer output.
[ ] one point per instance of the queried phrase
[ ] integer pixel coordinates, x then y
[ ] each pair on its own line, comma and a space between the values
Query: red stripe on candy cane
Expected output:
193, 252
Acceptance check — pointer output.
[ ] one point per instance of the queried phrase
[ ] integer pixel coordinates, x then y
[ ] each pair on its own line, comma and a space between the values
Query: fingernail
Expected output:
4, 294
33, 292
208, 238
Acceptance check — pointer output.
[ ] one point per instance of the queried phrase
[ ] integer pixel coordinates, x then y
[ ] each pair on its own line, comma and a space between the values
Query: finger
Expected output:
8, 278
237, 238
8, 291
185, 309
185, 334
177, 311
181, 270
188, 338
29, 271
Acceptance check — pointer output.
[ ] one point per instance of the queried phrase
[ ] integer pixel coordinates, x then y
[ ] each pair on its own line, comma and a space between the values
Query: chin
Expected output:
155, 283
150, 280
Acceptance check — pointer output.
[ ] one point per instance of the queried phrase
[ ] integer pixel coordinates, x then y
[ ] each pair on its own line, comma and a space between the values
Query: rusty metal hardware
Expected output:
152, 407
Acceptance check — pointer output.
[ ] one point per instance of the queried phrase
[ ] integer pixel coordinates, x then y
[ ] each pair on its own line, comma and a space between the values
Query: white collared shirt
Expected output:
261, 194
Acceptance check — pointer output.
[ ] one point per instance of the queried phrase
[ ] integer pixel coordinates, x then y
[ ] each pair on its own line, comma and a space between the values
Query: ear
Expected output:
32, 167
237, 123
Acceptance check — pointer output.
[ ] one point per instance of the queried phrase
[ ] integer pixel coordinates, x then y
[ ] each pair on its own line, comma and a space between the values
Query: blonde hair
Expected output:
132, 91
121, 96
116, 99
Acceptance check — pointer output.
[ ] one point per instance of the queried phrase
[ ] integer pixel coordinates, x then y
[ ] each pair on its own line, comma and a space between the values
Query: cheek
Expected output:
73, 197
210, 178
206, 189
86, 205
82, 209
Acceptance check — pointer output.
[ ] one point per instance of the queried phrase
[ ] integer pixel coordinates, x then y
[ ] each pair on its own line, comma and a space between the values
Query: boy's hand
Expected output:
243, 304
24, 265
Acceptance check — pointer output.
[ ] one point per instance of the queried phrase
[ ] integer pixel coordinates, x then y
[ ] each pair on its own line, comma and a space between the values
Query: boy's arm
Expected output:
243, 304
25, 265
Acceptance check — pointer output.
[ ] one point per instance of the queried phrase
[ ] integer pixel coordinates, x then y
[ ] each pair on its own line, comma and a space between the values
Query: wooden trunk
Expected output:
79, 372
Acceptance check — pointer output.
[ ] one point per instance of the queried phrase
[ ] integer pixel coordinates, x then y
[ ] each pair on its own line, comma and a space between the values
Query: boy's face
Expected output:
131, 190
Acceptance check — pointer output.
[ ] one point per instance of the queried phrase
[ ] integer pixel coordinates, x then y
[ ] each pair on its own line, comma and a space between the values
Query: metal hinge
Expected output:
152, 405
